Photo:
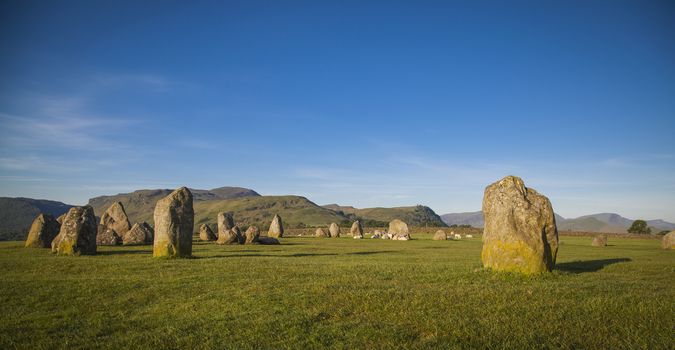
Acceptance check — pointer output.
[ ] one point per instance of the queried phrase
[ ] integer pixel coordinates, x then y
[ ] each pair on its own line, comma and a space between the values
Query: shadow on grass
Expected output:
123, 252
588, 265
372, 252
295, 255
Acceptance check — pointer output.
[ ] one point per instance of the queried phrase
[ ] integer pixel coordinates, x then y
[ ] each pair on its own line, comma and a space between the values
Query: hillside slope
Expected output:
17, 214
295, 211
140, 204
418, 215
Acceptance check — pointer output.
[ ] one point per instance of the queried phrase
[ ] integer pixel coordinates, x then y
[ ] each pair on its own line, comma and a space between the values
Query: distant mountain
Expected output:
473, 218
17, 214
140, 204
418, 215
602, 222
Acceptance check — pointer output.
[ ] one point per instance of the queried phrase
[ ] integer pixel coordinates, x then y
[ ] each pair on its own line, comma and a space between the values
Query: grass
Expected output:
337, 293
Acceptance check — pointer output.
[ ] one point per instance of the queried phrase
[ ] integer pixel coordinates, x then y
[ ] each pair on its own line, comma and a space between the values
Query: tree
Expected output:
639, 227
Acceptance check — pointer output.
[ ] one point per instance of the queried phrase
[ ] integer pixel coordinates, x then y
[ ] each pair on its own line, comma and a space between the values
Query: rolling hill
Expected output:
17, 214
418, 215
140, 204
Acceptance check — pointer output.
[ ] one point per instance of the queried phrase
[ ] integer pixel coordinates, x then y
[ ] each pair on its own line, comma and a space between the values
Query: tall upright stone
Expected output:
357, 229
43, 231
321, 233
206, 234
174, 220
520, 233
78, 233
116, 219
334, 230
276, 227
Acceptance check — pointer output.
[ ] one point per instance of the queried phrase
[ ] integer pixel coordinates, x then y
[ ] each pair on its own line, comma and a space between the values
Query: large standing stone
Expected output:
440, 236
174, 220
668, 241
357, 229
42, 231
599, 240
276, 228
520, 233
399, 230
116, 218
252, 235
206, 234
139, 234
321, 233
107, 236
334, 230
78, 233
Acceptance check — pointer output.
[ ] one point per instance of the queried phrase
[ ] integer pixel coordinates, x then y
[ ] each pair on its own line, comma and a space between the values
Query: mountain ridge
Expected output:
600, 222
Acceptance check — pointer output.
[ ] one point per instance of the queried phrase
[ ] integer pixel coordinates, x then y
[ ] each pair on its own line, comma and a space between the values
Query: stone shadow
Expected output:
588, 265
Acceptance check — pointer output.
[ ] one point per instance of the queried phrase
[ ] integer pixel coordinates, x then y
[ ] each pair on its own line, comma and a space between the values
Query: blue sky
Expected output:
357, 103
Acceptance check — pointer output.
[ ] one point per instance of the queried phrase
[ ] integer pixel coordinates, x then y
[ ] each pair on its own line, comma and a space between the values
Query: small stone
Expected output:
252, 235
321, 233
440, 236
107, 236
599, 240
206, 234
668, 240
139, 234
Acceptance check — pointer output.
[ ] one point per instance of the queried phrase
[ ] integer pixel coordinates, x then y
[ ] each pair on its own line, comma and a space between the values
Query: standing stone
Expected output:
321, 233
139, 234
668, 241
334, 230
252, 235
399, 230
174, 220
357, 229
107, 236
115, 218
42, 231
440, 236
520, 233
276, 228
599, 240
206, 234
78, 233
225, 222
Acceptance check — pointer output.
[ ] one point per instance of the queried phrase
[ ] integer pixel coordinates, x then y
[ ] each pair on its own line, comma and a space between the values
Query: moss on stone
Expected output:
512, 256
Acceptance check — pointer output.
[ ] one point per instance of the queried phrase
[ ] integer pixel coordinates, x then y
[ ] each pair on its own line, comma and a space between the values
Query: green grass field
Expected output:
338, 293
